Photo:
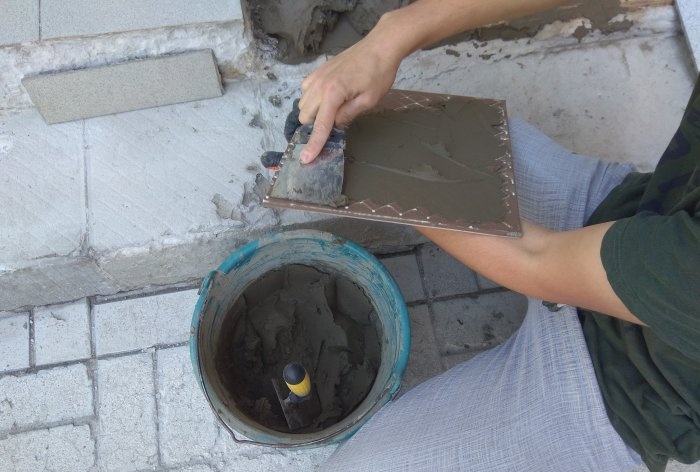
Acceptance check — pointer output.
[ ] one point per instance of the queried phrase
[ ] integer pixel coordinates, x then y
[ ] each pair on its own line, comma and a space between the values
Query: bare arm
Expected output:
562, 267
356, 79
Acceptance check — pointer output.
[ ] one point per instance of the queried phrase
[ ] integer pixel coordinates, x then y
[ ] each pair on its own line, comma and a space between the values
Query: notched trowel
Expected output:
319, 182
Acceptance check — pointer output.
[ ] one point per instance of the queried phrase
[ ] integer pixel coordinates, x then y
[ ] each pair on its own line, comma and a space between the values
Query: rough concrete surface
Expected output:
61, 449
127, 411
42, 188
145, 83
61, 18
19, 21
61, 333
601, 97
45, 397
14, 349
143, 322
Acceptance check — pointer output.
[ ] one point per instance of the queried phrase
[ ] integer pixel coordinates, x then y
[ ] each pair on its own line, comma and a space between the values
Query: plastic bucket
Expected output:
222, 287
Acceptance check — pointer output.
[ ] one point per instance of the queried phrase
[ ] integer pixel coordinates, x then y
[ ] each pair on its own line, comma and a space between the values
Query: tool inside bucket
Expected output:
305, 314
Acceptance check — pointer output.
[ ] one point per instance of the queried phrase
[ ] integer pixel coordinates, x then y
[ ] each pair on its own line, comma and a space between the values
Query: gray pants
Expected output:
530, 404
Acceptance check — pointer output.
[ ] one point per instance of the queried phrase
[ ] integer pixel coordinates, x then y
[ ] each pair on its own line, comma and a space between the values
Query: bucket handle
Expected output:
312, 442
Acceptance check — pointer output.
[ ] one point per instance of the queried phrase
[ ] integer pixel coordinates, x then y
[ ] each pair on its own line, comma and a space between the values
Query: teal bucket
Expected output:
325, 252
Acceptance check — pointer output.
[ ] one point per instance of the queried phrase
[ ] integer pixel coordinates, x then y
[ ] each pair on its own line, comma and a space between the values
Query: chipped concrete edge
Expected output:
690, 19
55, 280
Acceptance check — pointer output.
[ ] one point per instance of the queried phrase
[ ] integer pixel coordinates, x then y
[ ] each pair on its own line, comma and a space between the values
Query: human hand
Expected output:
342, 88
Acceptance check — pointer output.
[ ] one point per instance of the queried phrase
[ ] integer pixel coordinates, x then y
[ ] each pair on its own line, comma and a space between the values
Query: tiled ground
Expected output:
107, 385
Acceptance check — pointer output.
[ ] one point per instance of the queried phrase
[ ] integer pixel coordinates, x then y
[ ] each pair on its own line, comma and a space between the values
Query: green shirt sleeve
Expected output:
653, 265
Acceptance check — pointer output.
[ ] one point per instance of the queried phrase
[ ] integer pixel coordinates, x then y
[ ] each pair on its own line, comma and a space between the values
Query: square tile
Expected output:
444, 275
139, 323
47, 396
61, 333
187, 426
405, 271
66, 448
14, 347
127, 414
470, 323
424, 360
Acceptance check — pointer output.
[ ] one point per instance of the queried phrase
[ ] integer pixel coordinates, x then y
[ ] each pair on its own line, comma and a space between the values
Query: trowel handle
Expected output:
297, 379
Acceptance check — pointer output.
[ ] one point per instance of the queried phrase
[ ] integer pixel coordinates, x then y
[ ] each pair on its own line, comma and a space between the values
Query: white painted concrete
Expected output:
172, 171
62, 18
19, 21
41, 188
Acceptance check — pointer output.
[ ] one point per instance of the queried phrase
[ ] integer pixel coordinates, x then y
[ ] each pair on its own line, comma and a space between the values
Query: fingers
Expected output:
323, 125
351, 109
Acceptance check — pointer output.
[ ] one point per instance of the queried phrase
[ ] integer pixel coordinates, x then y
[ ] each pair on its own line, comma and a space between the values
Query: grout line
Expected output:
94, 374
86, 241
91, 330
80, 421
428, 300
88, 362
39, 19
140, 293
32, 340
159, 453
392, 255
116, 355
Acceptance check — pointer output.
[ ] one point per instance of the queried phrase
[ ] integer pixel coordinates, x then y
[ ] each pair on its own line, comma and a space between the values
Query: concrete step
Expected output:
158, 197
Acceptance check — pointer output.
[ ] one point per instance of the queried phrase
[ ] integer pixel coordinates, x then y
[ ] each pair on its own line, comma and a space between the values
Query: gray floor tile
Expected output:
468, 323
404, 269
424, 361
444, 275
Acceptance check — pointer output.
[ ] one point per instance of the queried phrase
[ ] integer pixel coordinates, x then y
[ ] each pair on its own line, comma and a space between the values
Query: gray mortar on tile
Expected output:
300, 30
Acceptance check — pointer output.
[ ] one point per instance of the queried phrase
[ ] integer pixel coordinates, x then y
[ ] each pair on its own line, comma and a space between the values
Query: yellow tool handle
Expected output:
297, 379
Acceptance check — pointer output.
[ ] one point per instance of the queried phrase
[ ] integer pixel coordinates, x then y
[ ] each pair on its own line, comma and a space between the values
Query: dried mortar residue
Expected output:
302, 29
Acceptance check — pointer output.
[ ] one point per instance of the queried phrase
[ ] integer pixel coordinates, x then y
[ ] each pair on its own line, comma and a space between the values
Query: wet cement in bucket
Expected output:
299, 313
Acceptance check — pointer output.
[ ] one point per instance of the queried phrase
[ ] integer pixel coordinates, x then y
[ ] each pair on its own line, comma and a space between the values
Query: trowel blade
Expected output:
298, 415
319, 182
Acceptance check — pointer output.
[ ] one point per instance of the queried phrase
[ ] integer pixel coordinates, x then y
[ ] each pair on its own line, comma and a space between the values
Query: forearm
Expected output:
563, 267
426, 22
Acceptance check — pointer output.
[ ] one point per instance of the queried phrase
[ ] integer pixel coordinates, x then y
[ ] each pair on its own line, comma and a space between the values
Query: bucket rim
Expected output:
390, 387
